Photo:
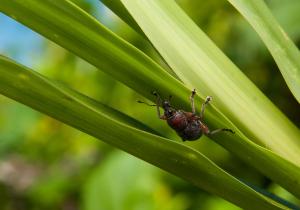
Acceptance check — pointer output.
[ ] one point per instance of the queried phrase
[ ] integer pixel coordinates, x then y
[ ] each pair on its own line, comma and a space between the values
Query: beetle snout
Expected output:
166, 104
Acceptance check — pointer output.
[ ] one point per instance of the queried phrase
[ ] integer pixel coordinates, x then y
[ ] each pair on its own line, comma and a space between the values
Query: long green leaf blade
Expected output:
269, 171
76, 110
181, 43
199, 63
285, 53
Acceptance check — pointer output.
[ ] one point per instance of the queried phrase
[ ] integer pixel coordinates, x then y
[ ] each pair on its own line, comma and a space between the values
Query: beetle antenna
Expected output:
142, 102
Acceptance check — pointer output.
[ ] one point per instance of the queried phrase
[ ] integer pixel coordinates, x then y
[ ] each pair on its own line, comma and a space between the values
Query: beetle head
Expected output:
169, 111
166, 105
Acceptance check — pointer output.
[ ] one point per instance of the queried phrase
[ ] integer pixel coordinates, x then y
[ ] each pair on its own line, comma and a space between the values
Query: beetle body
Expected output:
188, 125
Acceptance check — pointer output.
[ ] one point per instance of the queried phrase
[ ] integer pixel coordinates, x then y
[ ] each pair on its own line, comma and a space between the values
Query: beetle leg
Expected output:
158, 101
207, 100
192, 101
143, 102
220, 130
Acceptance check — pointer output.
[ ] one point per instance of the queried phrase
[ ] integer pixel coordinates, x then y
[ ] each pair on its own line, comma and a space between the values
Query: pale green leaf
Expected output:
199, 63
285, 53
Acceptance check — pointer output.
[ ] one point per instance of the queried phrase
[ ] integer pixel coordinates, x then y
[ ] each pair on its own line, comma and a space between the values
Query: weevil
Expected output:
188, 125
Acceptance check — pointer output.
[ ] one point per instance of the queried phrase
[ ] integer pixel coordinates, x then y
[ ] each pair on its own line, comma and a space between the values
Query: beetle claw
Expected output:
154, 93
208, 99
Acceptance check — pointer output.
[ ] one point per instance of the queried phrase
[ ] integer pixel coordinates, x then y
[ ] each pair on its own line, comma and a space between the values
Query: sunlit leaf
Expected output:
199, 63
285, 53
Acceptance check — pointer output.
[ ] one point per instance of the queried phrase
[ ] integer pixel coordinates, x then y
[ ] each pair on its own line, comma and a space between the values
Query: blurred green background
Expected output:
45, 164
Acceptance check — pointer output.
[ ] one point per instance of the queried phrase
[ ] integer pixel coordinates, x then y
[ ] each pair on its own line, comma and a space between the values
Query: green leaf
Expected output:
285, 53
90, 40
199, 63
40, 93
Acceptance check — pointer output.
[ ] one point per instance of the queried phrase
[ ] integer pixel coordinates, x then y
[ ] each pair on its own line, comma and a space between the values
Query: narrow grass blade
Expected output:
76, 110
199, 63
285, 53
94, 43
